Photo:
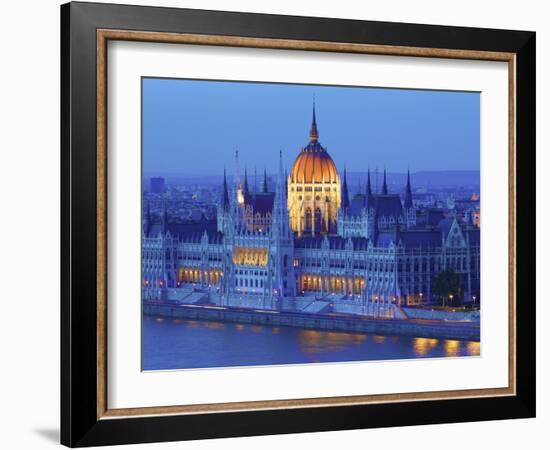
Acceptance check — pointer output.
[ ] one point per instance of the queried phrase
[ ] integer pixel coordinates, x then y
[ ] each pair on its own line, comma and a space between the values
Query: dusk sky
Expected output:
194, 127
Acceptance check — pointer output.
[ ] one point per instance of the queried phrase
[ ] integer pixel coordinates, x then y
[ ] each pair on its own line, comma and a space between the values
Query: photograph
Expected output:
304, 224
270, 225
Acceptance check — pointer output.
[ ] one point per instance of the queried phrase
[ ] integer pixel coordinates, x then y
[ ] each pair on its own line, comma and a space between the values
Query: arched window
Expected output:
318, 220
308, 220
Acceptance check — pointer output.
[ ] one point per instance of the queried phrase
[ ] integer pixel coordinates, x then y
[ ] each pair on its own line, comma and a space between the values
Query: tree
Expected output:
446, 287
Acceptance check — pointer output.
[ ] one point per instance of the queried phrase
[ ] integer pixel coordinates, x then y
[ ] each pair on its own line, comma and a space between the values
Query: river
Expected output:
185, 344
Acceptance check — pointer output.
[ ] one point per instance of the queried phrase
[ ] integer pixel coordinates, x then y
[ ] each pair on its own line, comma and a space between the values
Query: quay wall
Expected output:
429, 314
316, 321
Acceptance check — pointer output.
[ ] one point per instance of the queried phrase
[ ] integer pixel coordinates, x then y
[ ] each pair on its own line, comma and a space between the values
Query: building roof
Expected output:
445, 225
385, 238
420, 238
180, 229
335, 242
313, 165
434, 216
195, 237
358, 203
388, 205
262, 202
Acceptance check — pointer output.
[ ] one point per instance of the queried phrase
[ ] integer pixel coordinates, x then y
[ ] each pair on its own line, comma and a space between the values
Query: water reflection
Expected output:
452, 348
180, 343
422, 346
313, 341
473, 348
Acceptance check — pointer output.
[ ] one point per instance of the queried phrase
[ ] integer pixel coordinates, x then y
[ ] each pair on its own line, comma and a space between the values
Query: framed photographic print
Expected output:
277, 224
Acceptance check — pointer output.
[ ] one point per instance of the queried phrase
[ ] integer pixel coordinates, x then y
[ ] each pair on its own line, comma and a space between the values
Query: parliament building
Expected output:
308, 246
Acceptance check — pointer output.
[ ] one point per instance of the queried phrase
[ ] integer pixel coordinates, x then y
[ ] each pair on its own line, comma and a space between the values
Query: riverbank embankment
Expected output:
327, 322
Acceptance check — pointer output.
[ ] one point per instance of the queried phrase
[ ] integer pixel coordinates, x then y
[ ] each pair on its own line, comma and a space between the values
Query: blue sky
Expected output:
193, 126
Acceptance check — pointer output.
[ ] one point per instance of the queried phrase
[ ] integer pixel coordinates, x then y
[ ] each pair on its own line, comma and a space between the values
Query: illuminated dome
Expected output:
314, 164
314, 195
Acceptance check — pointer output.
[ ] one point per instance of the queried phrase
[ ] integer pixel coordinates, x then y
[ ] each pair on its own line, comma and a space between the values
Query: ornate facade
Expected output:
318, 250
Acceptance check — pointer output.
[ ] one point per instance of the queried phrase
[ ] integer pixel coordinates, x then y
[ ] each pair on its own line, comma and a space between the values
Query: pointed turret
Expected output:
225, 194
345, 194
245, 188
264, 187
313, 132
286, 182
280, 211
384, 184
369, 188
237, 178
370, 197
408, 191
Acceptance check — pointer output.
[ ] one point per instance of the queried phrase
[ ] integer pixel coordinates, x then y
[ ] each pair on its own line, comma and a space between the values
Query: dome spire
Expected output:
314, 133
385, 185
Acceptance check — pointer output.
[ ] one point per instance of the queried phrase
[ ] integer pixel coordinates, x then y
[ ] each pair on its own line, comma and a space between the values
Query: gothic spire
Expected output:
369, 188
280, 211
245, 188
225, 195
345, 195
384, 184
314, 133
408, 191
264, 188
237, 176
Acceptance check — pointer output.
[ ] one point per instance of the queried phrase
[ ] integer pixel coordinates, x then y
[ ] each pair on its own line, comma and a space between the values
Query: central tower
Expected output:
313, 188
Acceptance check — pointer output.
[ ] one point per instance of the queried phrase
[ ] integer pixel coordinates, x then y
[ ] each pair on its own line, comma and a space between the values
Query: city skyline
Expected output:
192, 126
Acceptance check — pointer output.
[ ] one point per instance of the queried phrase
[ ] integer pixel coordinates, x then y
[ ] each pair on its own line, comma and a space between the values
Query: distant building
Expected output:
157, 185
317, 249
